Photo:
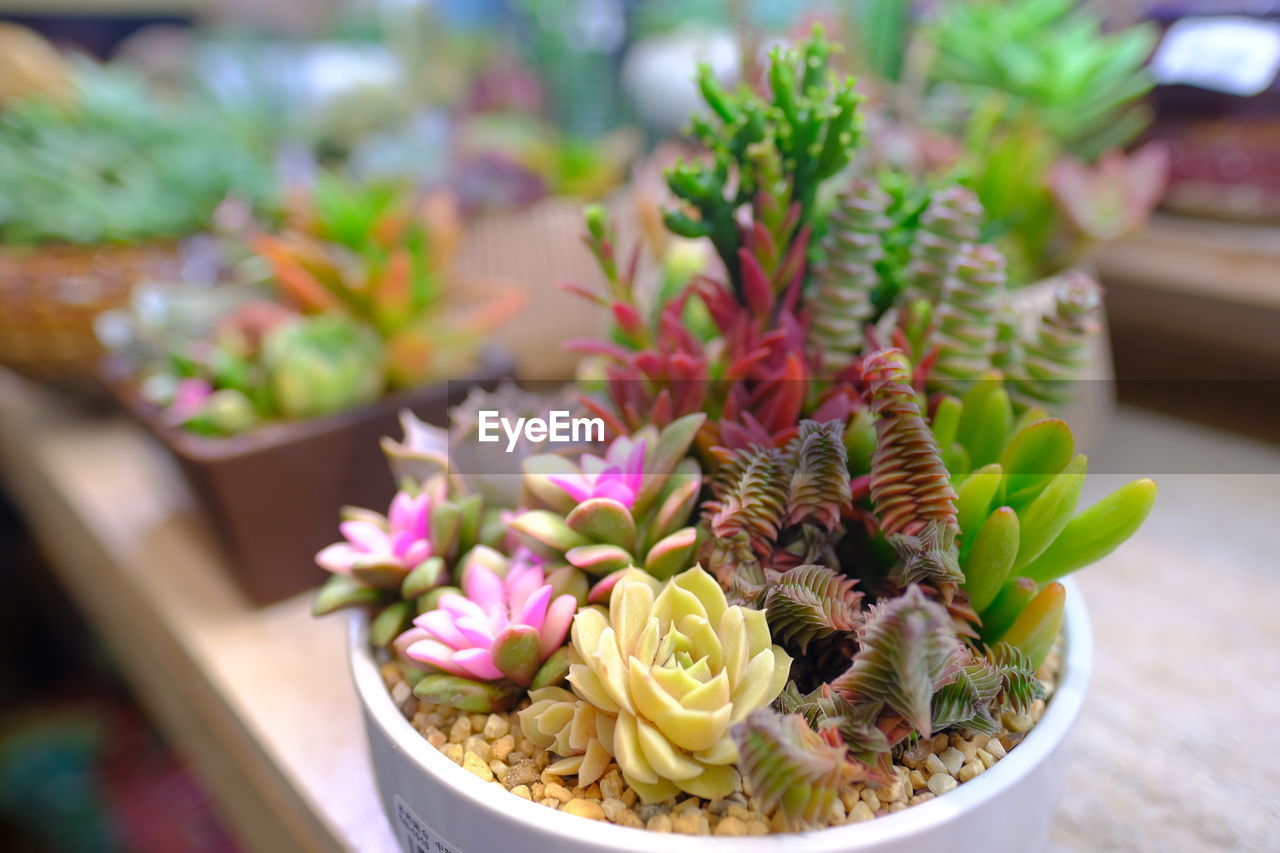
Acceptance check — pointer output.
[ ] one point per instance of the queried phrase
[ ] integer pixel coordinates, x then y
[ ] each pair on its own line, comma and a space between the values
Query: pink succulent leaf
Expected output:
555, 626
485, 588
400, 645
575, 486
189, 396
534, 611
461, 607
479, 632
438, 655
522, 582
338, 558
440, 625
403, 513
417, 552
604, 587
478, 663
365, 536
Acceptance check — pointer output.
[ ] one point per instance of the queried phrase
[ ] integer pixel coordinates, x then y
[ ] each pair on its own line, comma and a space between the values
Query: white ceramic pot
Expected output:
437, 807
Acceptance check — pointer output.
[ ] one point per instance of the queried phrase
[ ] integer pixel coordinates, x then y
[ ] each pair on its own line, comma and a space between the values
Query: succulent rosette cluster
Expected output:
665, 671
498, 627
629, 508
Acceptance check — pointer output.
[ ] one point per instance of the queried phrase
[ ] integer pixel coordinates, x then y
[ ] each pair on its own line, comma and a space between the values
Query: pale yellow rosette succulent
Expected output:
668, 669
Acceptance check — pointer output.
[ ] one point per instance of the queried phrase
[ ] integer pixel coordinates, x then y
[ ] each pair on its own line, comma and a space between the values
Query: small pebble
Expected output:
659, 823
986, 758
921, 798
560, 792
757, 826
941, 783
453, 752
871, 799
861, 811
611, 785
731, 826
613, 808
973, 768
480, 747
996, 748
522, 791
473, 764
496, 726
953, 760
933, 764
549, 802
460, 731
524, 773
584, 808
631, 819
503, 747
917, 780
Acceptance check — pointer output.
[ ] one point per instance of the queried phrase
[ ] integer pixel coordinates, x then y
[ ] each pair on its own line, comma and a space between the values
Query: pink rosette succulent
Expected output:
502, 628
394, 544
619, 475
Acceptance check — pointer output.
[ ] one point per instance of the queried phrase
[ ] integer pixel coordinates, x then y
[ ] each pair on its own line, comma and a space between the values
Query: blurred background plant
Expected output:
354, 295
1024, 101
103, 159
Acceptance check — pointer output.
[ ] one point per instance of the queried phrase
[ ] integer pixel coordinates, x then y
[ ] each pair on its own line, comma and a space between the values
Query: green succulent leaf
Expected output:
1033, 456
390, 623
1096, 532
474, 697
603, 520
1045, 517
342, 591
992, 556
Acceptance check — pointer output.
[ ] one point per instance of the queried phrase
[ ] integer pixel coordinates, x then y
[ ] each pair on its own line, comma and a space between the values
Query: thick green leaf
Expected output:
341, 591
1037, 626
603, 520
974, 500
390, 623
1096, 532
1033, 456
474, 697
991, 557
672, 554
546, 533
1005, 609
1046, 516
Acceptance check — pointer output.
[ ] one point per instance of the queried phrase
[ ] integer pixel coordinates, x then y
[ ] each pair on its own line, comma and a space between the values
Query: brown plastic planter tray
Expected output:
273, 494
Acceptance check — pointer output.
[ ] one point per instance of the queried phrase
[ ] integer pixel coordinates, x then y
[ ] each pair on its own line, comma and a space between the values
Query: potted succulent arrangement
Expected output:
812, 580
99, 180
365, 316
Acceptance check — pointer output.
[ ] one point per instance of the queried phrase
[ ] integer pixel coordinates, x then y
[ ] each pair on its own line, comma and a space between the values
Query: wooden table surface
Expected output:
1176, 750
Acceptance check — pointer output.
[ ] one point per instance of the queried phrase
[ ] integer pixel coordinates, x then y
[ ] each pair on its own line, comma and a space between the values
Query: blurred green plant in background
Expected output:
113, 163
